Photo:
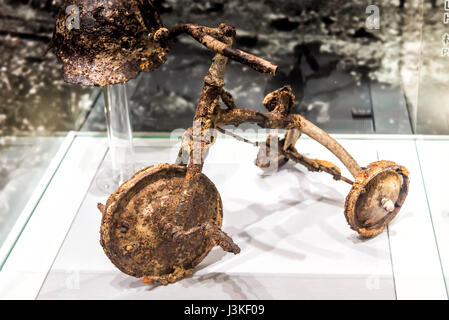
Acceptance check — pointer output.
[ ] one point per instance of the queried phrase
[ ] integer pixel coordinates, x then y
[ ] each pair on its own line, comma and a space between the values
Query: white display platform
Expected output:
290, 226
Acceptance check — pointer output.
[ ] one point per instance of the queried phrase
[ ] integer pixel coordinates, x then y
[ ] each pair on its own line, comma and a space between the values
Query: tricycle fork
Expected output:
202, 134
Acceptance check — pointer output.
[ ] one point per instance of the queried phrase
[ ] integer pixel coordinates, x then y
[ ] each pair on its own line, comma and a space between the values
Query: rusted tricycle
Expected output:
163, 221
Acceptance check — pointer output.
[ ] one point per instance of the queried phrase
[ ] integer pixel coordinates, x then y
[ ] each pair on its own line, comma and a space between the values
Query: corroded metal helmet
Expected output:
105, 42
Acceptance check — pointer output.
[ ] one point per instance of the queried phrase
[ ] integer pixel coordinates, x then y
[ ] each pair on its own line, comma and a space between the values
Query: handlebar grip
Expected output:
217, 46
250, 60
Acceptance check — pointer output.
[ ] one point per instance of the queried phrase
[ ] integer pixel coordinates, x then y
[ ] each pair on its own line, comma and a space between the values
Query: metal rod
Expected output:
292, 155
275, 120
332, 145
200, 34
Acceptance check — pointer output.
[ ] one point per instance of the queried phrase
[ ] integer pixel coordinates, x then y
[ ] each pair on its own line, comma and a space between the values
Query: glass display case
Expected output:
371, 75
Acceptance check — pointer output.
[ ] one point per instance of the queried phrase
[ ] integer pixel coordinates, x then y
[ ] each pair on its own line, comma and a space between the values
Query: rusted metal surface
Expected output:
270, 153
378, 193
112, 44
363, 210
163, 221
116, 40
280, 102
142, 235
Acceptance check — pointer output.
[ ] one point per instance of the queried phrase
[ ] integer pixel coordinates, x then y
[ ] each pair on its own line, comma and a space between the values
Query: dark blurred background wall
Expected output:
325, 51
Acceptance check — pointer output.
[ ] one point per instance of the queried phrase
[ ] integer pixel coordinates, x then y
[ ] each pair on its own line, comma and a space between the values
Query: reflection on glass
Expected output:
119, 133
